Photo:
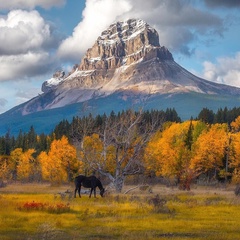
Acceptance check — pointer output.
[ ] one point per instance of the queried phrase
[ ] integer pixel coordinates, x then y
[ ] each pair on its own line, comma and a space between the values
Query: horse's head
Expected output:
102, 192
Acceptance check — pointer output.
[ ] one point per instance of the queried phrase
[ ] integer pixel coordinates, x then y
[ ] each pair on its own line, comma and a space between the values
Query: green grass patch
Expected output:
42, 215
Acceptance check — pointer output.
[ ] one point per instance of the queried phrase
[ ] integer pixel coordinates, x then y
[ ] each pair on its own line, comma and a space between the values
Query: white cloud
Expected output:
30, 4
177, 21
226, 70
24, 37
22, 31
97, 15
24, 65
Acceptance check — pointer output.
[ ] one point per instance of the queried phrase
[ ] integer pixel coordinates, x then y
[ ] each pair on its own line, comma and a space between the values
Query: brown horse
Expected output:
88, 182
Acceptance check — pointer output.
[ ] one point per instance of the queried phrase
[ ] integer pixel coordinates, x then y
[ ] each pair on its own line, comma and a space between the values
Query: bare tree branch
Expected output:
127, 134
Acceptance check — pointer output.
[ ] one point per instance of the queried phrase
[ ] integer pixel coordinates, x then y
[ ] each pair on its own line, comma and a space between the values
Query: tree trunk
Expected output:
118, 183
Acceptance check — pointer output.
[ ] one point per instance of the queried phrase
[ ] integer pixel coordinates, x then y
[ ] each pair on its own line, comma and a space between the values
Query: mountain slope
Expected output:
127, 57
187, 105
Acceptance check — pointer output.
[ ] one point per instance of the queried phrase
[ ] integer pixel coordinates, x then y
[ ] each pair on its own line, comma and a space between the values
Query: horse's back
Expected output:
79, 179
87, 182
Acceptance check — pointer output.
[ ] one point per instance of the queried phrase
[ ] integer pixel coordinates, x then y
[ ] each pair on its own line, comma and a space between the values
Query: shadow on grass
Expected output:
180, 235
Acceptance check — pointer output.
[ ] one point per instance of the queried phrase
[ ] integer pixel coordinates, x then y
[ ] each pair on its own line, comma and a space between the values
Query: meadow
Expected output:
41, 211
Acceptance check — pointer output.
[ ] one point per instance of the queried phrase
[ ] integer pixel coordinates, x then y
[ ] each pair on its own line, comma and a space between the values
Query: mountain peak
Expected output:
124, 43
128, 58
123, 31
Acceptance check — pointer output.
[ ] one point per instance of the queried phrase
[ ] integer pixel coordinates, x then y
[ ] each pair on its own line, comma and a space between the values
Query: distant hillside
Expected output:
187, 105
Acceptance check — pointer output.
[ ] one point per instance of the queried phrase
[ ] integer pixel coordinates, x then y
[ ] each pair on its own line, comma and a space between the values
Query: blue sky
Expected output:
39, 37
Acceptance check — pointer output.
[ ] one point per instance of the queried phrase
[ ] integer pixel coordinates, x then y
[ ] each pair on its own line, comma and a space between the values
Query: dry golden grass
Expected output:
167, 213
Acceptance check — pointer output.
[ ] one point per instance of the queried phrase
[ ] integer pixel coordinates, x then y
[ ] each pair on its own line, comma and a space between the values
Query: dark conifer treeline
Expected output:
224, 115
87, 125
25, 141
75, 130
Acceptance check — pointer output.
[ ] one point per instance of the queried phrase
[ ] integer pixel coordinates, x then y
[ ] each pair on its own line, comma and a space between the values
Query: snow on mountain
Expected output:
126, 30
56, 79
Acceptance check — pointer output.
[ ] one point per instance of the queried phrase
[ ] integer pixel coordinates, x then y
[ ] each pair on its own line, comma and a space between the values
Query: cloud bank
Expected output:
23, 31
226, 70
97, 15
27, 38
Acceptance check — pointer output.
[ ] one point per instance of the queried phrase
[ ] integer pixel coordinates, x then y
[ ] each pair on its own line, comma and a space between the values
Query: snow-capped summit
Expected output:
56, 79
125, 30
122, 44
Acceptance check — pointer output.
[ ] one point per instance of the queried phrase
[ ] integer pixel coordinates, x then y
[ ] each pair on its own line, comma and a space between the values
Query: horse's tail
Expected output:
78, 180
75, 180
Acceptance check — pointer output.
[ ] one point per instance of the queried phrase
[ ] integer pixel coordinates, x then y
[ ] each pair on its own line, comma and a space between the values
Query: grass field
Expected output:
38, 211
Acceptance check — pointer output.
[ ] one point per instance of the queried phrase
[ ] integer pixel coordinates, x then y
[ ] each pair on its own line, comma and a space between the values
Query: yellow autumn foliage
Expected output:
167, 153
209, 149
60, 163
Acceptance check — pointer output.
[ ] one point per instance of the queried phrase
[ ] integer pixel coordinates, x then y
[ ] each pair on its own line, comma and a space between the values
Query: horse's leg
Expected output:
79, 191
94, 192
91, 193
75, 192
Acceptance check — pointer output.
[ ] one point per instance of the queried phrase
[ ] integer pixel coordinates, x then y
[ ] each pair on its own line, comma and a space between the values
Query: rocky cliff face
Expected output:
126, 57
124, 43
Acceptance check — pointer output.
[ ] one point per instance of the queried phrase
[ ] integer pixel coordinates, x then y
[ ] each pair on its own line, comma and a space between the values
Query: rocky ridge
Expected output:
56, 79
124, 43
121, 45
